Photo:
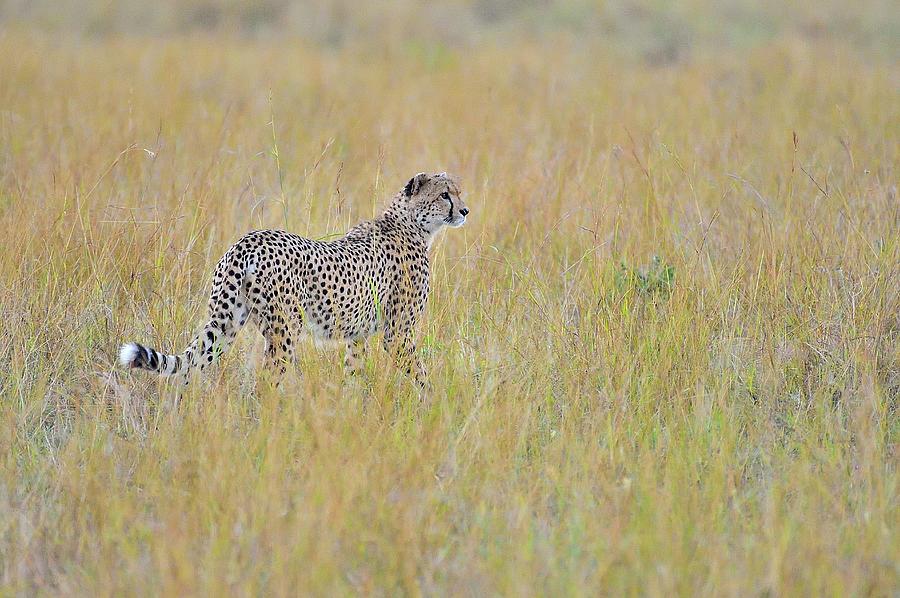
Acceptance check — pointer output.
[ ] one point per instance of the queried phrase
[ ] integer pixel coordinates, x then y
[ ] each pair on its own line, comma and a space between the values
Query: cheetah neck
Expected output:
397, 216
432, 237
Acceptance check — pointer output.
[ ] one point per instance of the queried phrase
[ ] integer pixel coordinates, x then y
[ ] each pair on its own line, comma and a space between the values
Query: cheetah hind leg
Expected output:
279, 352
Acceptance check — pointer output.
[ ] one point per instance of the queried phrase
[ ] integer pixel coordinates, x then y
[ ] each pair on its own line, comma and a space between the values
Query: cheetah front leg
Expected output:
353, 356
402, 347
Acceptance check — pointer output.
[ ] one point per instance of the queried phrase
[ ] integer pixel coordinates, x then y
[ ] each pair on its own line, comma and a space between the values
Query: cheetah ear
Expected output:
414, 184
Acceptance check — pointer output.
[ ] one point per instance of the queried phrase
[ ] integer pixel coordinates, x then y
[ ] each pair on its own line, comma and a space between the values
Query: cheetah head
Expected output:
433, 201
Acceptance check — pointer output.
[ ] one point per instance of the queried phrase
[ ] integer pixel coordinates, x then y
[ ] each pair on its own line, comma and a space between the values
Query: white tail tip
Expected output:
127, 353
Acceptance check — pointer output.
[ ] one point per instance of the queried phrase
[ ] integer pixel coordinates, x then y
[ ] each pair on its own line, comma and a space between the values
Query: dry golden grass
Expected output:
597, 427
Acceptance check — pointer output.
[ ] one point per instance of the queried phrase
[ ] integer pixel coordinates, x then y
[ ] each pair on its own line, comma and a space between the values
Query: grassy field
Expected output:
664, 349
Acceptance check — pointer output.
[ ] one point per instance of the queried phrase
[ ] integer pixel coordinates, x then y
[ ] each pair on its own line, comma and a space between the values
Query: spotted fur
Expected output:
373, 279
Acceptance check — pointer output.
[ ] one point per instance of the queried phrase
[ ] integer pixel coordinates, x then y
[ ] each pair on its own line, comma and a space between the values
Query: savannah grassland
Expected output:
719, 420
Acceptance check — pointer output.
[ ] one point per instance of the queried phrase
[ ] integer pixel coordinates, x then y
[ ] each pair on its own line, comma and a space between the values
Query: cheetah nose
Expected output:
464, 211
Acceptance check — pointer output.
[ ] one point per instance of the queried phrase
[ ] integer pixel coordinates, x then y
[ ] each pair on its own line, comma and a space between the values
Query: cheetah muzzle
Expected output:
373, 279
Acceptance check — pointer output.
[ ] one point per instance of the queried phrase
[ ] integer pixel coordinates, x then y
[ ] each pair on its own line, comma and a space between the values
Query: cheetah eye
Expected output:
445, 195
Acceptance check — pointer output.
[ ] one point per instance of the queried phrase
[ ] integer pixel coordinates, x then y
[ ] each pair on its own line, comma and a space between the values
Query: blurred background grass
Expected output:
664, 348
651, 30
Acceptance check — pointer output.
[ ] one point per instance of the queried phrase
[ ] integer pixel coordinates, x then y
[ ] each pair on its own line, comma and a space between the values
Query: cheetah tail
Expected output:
133, 355
213, 339
228, 313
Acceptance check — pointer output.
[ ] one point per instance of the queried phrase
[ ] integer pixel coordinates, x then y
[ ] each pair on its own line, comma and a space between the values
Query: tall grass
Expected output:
720, 420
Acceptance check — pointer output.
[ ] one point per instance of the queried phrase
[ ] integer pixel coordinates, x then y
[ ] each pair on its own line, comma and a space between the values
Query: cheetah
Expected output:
374, 279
